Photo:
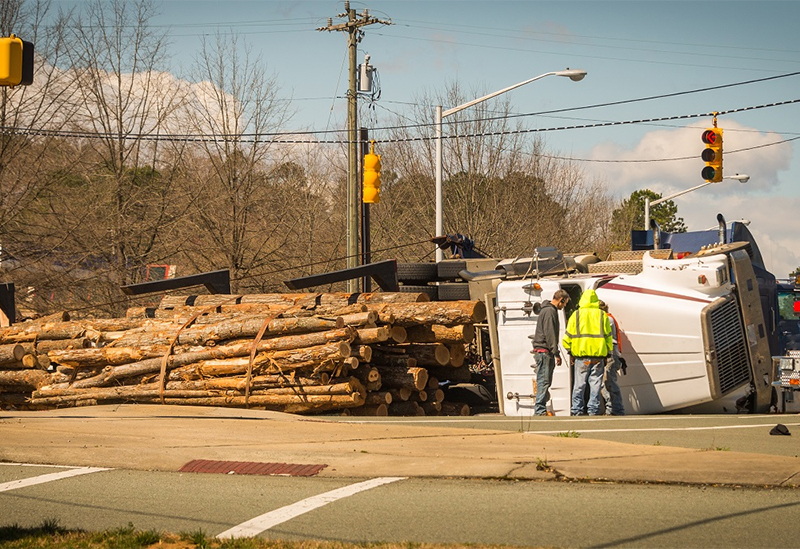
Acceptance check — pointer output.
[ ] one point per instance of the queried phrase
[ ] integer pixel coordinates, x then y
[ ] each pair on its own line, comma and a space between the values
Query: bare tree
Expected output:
500, 187
124, 98
244, 194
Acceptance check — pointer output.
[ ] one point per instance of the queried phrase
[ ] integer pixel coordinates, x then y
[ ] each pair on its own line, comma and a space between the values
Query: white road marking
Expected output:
264, 522
640, 430
41, 479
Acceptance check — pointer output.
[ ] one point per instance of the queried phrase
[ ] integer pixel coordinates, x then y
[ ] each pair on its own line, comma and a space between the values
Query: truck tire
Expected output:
449, 269
454, 291
417, 272
431, 291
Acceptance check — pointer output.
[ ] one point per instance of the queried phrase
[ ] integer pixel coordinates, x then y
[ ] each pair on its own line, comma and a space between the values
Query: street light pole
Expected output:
741, 178
573, 74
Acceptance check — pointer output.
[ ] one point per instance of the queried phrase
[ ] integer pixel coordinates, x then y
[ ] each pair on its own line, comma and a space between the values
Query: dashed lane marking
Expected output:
264, 522
50, 477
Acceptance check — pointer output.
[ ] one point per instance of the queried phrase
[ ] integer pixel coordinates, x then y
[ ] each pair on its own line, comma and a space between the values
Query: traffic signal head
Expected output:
16, 61
371, 191
712, 155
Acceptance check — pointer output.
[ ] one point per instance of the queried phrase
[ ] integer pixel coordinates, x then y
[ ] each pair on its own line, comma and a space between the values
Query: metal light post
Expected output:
741, 178
572, 74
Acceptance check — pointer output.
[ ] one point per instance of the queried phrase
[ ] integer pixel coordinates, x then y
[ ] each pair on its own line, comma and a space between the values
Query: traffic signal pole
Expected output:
352, 26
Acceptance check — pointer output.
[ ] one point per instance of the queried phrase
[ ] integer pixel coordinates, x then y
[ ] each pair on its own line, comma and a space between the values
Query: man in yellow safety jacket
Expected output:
588, 340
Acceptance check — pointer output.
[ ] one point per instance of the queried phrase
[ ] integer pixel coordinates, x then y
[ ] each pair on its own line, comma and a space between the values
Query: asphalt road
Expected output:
523, 513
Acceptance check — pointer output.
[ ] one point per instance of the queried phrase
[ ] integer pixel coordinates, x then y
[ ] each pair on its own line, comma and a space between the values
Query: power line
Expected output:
253, 138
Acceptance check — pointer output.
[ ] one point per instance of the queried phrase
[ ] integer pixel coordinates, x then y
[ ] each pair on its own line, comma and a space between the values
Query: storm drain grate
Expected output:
251, 468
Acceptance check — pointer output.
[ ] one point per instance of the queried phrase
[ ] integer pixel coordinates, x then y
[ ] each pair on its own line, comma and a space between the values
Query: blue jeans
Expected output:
588, 371
545, 365
611, 392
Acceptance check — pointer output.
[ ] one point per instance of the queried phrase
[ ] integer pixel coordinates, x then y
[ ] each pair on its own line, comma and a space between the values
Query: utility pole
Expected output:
354, 35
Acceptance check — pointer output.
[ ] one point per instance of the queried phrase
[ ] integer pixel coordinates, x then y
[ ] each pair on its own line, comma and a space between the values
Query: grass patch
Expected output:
50, 535
569, 434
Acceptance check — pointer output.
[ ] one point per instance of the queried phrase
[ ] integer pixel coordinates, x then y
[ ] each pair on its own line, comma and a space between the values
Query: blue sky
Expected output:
631, 50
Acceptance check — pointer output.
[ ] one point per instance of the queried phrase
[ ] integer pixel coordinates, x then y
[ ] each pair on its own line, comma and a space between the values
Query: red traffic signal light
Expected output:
712, 155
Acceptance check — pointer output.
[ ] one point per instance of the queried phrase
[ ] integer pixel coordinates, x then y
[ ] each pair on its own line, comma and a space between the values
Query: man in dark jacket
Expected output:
545, 348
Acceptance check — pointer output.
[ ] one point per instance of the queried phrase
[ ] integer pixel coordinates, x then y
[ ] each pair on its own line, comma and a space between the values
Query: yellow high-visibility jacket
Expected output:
588, 331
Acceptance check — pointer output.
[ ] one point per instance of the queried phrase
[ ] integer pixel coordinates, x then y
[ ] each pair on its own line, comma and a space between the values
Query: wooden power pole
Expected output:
352, 26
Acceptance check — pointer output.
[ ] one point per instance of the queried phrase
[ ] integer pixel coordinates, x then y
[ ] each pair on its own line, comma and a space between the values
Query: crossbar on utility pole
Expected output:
354, 35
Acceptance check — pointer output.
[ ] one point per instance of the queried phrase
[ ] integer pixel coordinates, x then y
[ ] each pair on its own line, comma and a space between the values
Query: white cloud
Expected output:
764, 200
639, 167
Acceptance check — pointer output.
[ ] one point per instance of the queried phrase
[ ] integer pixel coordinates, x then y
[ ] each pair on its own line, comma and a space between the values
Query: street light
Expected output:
573, 74
741, 178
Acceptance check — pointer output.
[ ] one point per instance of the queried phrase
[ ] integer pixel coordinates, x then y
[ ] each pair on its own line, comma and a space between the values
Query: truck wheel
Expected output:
431, 291
454, 291
449, 269
416, 272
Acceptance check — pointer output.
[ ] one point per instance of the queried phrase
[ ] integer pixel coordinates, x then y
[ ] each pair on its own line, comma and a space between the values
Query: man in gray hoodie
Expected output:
545, 348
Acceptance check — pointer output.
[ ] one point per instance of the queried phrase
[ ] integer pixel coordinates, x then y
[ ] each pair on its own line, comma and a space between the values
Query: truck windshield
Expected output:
786, 305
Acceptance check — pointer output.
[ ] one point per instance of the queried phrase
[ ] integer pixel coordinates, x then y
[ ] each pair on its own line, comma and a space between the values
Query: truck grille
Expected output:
729, 345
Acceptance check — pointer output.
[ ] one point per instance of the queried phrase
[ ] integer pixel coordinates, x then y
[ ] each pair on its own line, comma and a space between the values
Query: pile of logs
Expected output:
360, 354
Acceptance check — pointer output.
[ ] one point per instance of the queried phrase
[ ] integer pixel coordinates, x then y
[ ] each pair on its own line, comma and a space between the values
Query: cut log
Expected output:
431, 408
363, 352
447, 313
365, 336
436, 333
458, 354
398, 334
408, 408
399, 377
427, 354
380, 410
11, 353
28, 379
368, 375
382, 358
360, 319
378, 397
400, 395
44, 346
455, 409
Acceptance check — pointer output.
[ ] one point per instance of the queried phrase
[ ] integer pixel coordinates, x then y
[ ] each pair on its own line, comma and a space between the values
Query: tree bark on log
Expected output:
447, 313
408, 408
427, 354
381, 358
29, 379
11, 353
436, 333
366, 336
400, 395
455, 409
397, 377
377, 410
378, 397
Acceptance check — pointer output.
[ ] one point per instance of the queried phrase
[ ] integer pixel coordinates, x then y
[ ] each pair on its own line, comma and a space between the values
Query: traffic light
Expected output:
16, 61
712, 155
371, 192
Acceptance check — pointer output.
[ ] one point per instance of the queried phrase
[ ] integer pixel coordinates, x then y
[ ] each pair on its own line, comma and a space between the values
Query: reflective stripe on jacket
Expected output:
588, 331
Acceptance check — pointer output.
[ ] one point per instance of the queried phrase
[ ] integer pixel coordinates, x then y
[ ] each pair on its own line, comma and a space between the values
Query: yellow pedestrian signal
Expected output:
371, 191
712, 155
16, 61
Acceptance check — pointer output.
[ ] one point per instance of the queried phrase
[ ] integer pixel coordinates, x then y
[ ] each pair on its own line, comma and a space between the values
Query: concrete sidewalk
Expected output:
164, 438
